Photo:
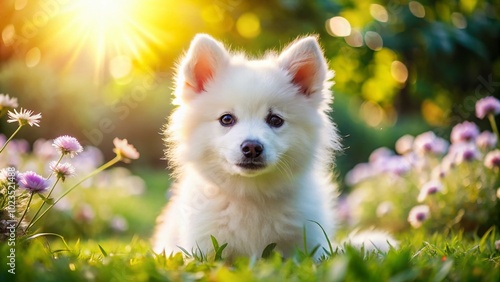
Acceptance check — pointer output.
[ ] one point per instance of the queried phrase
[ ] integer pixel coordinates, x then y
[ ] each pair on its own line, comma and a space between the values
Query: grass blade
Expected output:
268, 250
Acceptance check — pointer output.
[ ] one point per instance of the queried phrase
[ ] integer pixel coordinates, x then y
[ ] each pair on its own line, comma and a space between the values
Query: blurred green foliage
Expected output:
405, 67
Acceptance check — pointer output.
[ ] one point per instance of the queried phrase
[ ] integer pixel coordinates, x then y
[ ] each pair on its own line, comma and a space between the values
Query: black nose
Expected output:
251, 148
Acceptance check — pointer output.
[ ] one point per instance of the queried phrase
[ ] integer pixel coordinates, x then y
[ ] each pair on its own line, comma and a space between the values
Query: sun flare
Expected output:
105, 30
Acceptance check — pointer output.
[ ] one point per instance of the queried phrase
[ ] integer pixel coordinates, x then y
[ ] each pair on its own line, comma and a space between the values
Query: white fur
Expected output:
212, 195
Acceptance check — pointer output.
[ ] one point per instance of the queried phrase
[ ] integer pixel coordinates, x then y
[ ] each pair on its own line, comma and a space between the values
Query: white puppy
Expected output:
251, 146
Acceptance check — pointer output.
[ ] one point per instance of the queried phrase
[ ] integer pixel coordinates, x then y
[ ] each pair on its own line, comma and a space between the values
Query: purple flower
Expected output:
380, 154
429, 188
396, 165
24, 117
67, 145
464, 152
33, 182
486, 140
492, 159
404, 144
464, 132
497, 245
359, 173
486, 106
62, 170
418, 215
428, 142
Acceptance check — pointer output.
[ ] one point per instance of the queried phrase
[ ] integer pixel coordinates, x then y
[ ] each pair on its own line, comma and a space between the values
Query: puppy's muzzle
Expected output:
252, 155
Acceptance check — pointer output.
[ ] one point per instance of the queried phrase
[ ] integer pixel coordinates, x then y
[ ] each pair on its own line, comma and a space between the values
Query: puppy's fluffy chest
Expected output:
247, 224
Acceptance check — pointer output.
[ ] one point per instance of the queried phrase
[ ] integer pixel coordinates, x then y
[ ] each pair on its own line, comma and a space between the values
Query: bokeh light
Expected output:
417, 9
372, 113
373, 40
379, 13
20, 4
33, 57
248, 25
120, 66
458, 20
399, 71
355, 39
338, 26
8, 34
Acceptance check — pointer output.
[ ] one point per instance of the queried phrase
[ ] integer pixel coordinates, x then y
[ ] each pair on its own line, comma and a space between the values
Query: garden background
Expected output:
97, 70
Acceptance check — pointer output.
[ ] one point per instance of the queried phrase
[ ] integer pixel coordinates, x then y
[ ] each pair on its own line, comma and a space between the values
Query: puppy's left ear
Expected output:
304, 61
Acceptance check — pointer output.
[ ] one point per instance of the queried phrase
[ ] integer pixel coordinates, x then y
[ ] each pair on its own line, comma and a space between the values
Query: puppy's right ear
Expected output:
205, 57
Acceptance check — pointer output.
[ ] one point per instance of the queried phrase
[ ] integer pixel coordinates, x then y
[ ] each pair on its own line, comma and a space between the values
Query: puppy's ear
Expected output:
304, 61
203, 59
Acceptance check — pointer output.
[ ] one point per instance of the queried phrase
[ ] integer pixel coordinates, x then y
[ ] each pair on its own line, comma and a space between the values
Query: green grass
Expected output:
128, 257
419, 258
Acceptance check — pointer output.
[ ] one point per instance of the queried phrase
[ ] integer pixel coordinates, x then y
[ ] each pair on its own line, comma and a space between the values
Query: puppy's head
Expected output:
251, 118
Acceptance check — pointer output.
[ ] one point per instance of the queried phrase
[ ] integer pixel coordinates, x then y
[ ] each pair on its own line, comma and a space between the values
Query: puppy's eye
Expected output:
227, 120
274, 121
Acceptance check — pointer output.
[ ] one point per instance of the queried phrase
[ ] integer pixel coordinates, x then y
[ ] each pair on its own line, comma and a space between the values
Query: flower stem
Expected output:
99, 169
43, 203
493, 123
25, 210
10, 138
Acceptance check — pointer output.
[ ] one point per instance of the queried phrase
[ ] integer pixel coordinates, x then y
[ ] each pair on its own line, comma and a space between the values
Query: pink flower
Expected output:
24, 117
418, 215
380, 154
124, 150
428, 142
464, 152
62, 170
464, 132
359, 173
429, 188
33, 182
396, 165
492, 159
404, 144
486, 140
486, 106
67, 145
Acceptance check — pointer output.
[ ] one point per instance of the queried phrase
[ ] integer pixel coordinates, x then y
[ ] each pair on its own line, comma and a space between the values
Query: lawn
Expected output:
128, 257
419, 258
